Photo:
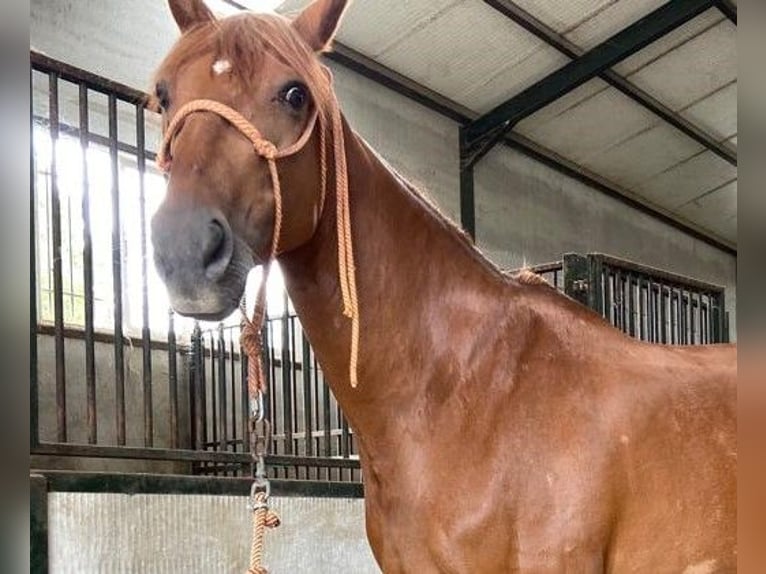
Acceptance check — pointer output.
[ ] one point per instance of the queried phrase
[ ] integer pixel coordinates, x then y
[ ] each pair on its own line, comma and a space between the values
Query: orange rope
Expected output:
263, 518
251, 335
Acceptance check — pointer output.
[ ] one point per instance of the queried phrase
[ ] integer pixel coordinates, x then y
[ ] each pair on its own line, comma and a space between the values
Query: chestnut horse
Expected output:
502, 427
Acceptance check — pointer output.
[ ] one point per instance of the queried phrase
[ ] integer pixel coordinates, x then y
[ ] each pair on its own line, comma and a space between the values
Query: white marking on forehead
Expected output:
221, 66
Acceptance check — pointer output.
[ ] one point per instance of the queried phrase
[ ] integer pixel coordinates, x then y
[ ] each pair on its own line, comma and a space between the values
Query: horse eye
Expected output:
295, 96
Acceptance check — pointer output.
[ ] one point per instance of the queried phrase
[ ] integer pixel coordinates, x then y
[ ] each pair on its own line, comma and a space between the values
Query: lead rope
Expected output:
251, 338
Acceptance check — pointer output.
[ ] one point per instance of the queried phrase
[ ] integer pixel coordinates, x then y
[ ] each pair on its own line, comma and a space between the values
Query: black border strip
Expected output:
104, 482
38, 524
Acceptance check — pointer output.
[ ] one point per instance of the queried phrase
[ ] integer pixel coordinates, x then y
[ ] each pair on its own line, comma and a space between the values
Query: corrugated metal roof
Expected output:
474, 55
693, 70
605, 23
457, 48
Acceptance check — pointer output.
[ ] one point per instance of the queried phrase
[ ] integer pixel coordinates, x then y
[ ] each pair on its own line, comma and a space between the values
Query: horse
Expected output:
502, 426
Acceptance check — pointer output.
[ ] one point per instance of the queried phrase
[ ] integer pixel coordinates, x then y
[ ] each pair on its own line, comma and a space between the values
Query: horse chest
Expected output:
460, 523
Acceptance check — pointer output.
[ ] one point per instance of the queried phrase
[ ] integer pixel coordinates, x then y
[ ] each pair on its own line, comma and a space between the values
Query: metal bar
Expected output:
58, 296
293, 379
617, 298
663, 315
625, 43
223, 434
34, 405
271, 398
71, 481
625, 294
181, 455
95, 82
724, 320
307, 418
87, 257
595, 284
467, 201
644, 99
245, 399
673, 316
92, 138
172, 381
632, 306
577, 280
233, 388
658, 312
705, 317
287, 410
608, 307
728, 8
38, 524
200, 411
119, 359
642, 327
693, 321
317, 409
145, 330
345, 437
213, 392
655, 312
658, 274
327, 422
98, 336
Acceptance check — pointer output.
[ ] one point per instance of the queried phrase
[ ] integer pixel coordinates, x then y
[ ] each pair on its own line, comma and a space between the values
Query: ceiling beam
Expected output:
568, 48
500, 120
434, 101
728, 8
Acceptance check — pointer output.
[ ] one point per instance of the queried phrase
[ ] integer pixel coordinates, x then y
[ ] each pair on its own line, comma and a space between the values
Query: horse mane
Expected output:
430, 206
523, 276
526, 276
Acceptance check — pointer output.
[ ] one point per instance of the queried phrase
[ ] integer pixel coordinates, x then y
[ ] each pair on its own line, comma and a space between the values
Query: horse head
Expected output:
247, 107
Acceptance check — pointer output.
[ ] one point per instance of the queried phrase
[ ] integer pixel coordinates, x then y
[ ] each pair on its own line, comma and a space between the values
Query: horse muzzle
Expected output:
199, 260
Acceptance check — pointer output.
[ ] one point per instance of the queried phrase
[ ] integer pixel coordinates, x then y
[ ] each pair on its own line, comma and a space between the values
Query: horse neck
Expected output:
415, 274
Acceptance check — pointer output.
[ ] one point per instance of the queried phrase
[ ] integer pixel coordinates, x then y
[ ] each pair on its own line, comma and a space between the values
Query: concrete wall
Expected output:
76, 404
526, 212
529, 213
111, 533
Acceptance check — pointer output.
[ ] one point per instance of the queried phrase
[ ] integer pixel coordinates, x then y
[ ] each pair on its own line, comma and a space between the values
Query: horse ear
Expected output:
188, 13
319, 21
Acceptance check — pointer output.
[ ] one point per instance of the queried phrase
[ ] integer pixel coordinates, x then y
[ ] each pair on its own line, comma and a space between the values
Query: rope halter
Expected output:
251, 329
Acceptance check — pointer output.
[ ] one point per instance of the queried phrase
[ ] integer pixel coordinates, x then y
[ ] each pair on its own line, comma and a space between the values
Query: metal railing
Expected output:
310, 435
121, 376
647, 303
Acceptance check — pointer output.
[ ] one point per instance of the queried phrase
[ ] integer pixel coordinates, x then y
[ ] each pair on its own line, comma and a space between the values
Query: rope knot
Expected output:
250, 339
265, 149
263, 517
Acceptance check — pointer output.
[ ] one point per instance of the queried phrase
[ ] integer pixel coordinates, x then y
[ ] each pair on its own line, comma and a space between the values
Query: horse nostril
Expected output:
216, 250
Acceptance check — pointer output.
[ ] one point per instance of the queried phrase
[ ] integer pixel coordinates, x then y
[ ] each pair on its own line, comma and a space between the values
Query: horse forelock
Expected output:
242, 40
